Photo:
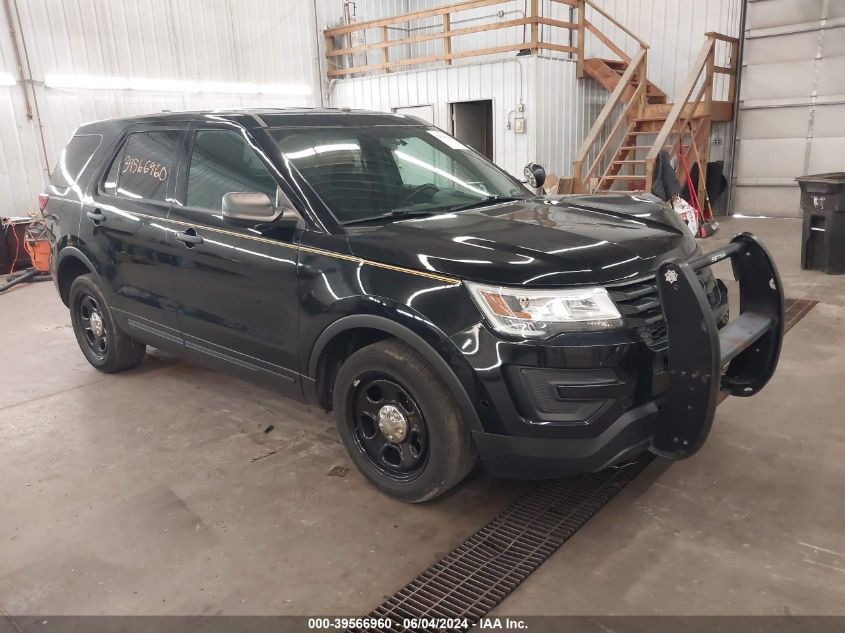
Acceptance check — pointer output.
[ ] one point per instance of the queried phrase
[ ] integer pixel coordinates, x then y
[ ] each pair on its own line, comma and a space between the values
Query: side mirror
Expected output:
256, 208
535, 175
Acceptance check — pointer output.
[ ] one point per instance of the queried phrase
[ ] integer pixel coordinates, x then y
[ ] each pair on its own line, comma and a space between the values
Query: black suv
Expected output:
376, 266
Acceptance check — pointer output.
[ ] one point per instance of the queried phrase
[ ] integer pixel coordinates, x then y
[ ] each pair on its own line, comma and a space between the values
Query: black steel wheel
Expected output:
389, 426
401, 426
93, 326
104, 345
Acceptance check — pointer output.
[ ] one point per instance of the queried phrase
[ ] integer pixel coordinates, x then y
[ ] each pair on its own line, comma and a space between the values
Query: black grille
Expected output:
639, 303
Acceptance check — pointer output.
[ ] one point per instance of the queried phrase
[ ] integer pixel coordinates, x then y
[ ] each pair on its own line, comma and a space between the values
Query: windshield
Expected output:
364, 173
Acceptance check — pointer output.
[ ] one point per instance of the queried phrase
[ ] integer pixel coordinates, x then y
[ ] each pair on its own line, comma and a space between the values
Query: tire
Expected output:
436, 451
112, 351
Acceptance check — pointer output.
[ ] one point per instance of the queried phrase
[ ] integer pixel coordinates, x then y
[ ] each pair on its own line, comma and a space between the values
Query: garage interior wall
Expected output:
559, 108
556, 122
221, 44
674, 31
792, 111
505, 82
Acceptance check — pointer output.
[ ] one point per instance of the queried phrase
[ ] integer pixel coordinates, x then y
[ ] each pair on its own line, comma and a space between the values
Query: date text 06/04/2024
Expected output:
461, 624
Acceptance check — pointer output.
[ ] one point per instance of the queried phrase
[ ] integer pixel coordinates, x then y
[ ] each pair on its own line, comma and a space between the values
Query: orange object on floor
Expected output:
38, 246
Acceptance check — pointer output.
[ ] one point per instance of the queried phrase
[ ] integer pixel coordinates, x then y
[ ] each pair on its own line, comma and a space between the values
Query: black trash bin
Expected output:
823, 237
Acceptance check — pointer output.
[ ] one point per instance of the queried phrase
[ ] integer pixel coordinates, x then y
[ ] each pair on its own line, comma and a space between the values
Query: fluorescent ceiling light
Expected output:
7, 79
163, 85
86, 82
301, 90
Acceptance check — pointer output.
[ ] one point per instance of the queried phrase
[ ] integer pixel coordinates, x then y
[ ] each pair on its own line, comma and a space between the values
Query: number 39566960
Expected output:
148, 167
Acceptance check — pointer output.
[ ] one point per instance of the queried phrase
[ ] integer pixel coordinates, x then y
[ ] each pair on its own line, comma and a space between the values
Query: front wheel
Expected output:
400, 424
105, 346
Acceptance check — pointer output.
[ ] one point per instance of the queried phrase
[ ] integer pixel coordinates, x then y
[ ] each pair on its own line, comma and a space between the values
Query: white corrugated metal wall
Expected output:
559, 108
674, 29
506, 82
224, 41
267, 41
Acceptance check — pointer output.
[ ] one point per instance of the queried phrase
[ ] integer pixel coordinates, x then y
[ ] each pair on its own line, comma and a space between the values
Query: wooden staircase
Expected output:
608, 72
637, 122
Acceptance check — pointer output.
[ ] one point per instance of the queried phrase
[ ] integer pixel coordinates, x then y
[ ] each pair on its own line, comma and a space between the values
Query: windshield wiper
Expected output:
398, 213
486, 202
406, 213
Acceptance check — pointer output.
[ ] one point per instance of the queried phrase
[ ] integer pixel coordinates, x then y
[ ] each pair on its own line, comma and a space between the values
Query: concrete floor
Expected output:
141, 493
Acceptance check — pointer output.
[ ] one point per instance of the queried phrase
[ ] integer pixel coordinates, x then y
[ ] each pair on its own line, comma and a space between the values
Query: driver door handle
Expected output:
96, 216
189, 237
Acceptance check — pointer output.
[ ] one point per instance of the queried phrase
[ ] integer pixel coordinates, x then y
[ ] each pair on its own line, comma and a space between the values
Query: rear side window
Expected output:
223, 162
147, 165
74, 159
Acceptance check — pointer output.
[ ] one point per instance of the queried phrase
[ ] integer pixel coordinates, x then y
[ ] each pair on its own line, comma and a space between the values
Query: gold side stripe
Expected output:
307, 249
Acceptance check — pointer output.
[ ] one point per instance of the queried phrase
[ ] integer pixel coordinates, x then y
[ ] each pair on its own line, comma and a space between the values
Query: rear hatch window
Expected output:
75, 157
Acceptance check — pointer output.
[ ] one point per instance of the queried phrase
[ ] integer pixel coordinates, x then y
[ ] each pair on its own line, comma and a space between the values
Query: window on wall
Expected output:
147, 165
222, 162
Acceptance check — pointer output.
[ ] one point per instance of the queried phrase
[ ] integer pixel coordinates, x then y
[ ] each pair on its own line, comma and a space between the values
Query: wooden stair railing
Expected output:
630, 93
534, 43
685, 123
691, 116
608, 71
636, 69
635, 110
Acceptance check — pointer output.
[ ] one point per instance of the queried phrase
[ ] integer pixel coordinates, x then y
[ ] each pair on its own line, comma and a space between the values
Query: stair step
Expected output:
627, 162
613, 63
629, 177
635, 148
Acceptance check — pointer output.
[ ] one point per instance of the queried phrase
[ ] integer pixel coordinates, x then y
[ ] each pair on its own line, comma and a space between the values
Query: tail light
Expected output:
43, 198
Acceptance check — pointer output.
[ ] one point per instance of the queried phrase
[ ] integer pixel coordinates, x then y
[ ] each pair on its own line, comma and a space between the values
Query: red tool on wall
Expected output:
703, 213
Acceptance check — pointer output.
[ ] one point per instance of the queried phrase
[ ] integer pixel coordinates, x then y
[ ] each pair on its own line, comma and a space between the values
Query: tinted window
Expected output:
148, 165
368, 172
222, 162
73, 160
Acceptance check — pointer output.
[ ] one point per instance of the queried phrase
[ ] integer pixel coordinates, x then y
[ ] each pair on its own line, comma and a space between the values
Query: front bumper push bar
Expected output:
704, 361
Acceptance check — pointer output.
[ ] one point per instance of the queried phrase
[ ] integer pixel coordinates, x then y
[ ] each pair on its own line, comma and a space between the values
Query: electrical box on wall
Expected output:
519, 125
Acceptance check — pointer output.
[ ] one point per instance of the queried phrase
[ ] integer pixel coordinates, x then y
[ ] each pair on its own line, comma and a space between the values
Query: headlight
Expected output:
544, 313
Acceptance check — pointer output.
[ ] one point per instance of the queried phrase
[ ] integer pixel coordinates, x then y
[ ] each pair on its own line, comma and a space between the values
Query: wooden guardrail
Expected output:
632, 88
690, 115
533, 43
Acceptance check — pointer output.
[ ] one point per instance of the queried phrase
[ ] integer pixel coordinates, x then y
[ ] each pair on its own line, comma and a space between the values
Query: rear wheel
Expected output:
400, 424
105, 346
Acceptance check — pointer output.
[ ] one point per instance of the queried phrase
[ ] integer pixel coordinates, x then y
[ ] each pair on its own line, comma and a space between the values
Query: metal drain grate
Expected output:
795, 310
474, 578
471, 580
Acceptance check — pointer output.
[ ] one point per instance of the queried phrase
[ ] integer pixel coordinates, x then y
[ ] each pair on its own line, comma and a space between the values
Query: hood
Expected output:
552, 241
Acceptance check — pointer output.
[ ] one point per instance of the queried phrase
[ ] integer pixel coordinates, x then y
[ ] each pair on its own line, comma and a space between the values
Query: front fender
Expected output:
420, 334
